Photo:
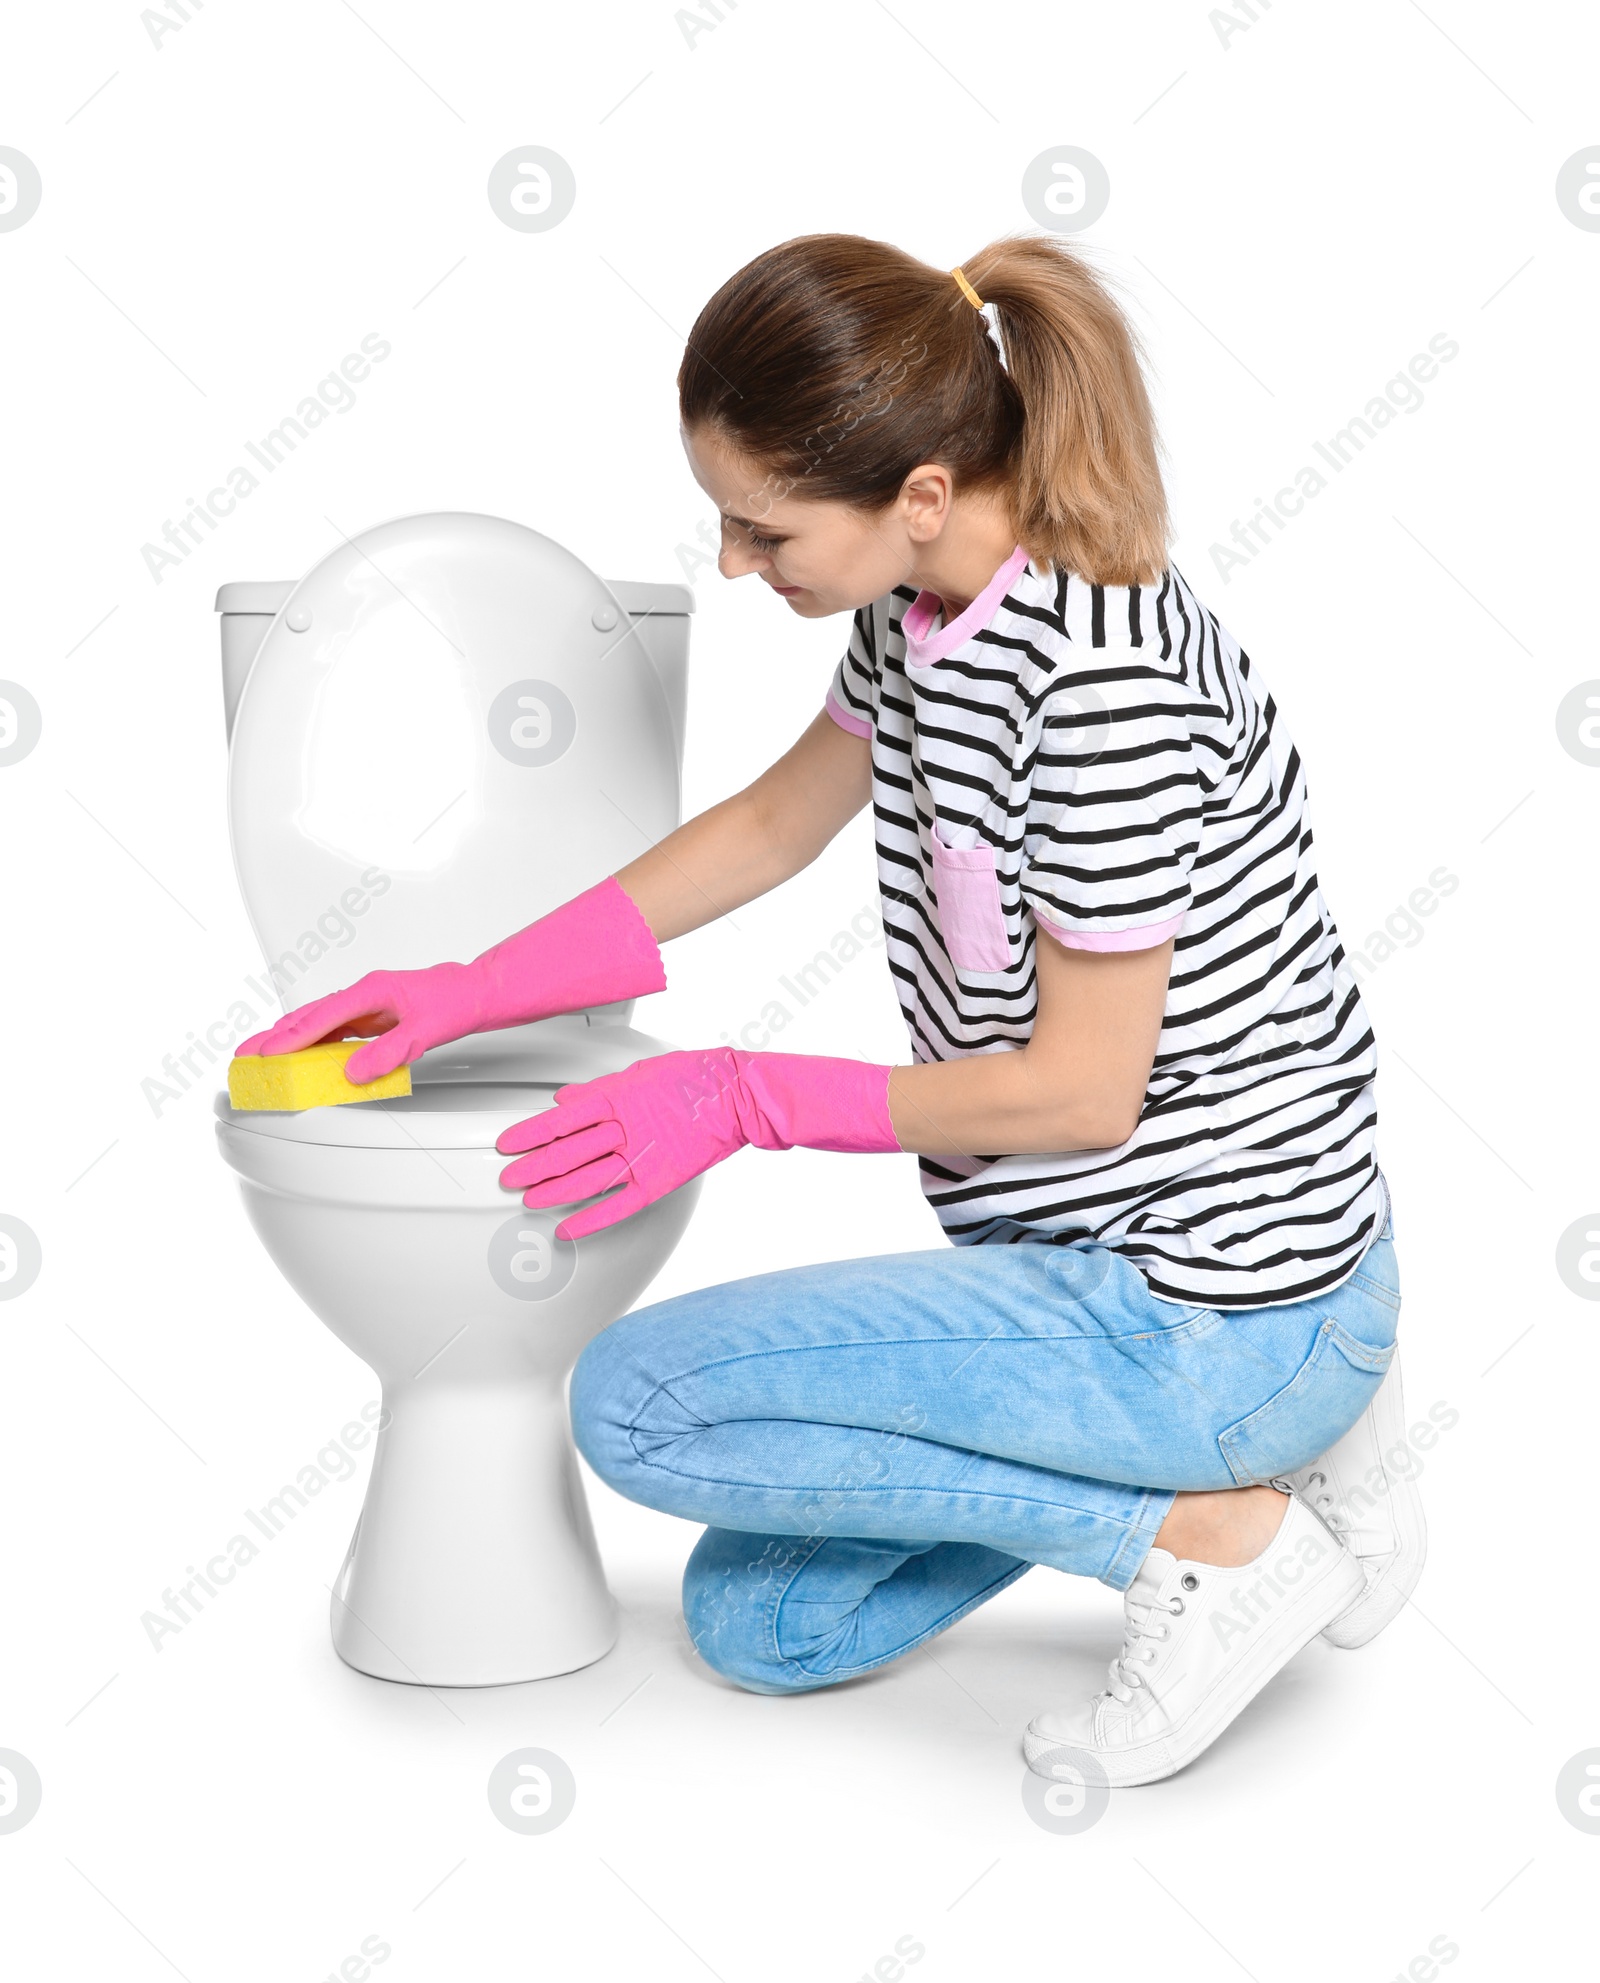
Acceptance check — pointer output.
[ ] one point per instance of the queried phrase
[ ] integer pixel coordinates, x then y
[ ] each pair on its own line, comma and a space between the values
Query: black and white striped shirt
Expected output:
1103, 763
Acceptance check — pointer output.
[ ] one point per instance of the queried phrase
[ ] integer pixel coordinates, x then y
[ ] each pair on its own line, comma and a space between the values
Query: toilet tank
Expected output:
660, 615
350, 694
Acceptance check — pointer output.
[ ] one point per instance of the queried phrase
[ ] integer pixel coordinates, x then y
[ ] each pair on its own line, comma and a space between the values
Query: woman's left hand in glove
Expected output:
663, 1121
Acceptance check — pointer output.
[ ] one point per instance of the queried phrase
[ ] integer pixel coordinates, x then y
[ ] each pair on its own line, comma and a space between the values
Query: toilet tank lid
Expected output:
254, 595
638, 596
635, 596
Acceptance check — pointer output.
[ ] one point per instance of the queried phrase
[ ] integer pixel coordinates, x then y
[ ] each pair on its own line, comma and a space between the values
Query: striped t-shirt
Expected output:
1103, 763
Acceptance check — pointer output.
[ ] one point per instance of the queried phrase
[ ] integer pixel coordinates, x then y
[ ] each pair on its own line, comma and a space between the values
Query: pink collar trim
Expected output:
922, 650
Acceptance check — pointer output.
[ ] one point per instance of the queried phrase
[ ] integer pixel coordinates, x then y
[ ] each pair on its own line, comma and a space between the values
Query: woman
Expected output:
1141, 1089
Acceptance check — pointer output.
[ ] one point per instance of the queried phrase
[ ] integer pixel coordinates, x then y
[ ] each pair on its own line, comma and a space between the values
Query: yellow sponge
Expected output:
310, 1079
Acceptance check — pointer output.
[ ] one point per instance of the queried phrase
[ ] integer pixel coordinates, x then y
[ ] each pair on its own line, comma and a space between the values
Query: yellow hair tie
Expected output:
990, 315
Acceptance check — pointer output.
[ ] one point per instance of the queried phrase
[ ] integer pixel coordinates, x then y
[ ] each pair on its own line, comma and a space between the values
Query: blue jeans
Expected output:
880, 1445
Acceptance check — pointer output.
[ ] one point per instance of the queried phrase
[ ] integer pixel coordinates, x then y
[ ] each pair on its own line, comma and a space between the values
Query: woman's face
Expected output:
821, 557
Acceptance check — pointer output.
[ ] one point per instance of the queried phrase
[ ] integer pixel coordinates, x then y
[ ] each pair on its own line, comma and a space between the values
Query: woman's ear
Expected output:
926, 496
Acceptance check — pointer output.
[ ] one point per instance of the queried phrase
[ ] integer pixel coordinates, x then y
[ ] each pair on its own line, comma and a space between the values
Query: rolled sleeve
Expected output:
1145, 938
858, 726
852, 699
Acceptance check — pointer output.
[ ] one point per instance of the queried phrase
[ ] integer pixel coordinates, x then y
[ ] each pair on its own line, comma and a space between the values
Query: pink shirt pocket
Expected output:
971, 919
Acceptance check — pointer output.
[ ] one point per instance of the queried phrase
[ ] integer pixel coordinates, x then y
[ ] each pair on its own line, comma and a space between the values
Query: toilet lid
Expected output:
436, 1117
451, 727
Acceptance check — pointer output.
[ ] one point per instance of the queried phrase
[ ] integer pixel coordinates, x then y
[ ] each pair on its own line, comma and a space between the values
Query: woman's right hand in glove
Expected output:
593, 950
409, 1011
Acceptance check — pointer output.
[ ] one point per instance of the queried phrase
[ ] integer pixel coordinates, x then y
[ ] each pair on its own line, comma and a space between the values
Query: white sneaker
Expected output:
1200, 1642
1359, 1490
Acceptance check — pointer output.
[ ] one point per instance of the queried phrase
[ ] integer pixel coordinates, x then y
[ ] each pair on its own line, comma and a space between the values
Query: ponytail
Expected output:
836, 364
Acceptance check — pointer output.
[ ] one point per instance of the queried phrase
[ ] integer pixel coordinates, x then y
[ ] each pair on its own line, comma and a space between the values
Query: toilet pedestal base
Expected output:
474, 1562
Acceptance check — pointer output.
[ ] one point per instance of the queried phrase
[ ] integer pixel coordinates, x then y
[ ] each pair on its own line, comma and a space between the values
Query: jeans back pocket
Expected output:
971, 920
1327, 1394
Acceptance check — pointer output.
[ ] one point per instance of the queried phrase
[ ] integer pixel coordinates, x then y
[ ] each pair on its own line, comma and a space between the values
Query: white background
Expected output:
1295, 210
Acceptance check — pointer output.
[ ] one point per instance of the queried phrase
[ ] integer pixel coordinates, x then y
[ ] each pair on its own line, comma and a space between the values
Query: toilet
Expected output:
446, 728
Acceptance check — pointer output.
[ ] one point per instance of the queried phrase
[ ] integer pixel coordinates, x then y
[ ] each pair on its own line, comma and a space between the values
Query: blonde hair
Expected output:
839, 363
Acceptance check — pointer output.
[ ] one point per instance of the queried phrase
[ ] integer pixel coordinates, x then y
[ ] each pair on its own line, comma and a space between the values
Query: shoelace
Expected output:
1136, 1651
1313, 1487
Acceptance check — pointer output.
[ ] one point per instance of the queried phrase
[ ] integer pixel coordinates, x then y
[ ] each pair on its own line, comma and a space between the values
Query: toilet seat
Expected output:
434, 1149
464, 1093
430, 1151
439, 1115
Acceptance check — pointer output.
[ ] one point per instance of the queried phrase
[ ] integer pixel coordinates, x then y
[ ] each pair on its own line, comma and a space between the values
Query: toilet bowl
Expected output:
447, 728
474, 1561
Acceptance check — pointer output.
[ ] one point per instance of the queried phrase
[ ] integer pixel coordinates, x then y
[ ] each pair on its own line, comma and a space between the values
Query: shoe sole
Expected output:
1385, 1597
1290, 1632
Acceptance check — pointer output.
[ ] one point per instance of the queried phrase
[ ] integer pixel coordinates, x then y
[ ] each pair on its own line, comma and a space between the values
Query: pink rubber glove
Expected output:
591, 951
665, 1120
